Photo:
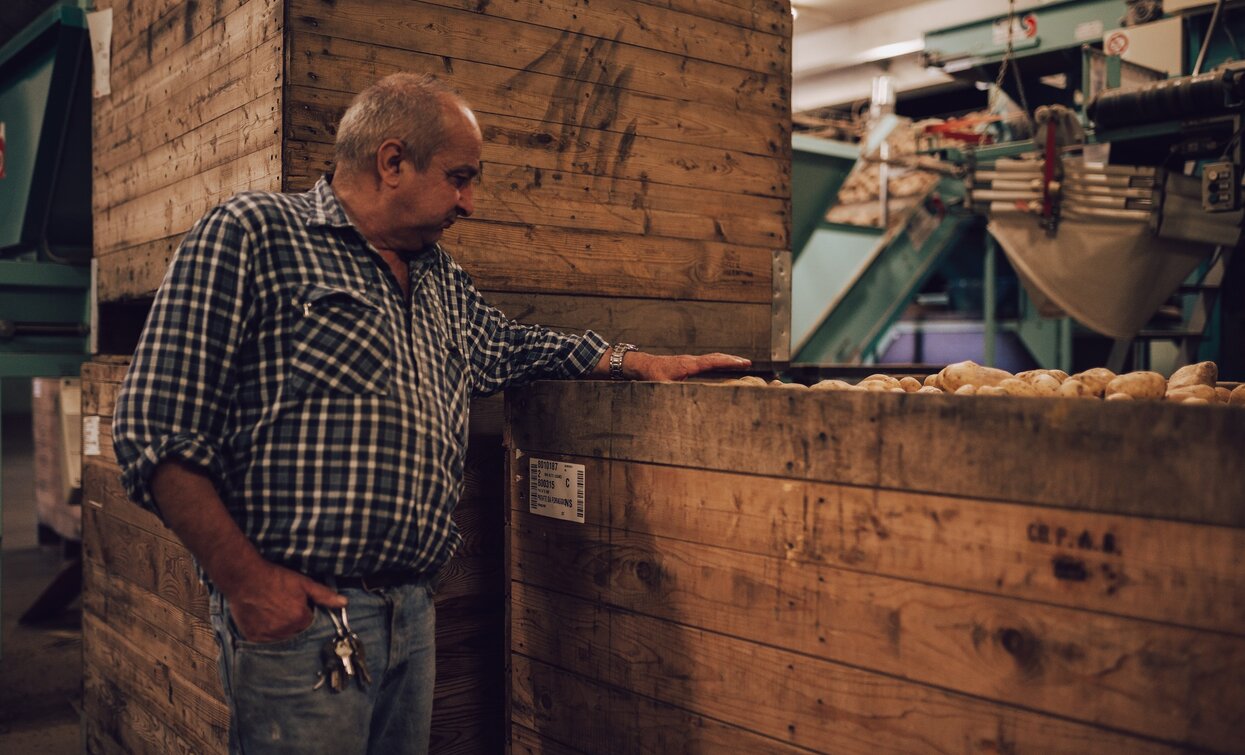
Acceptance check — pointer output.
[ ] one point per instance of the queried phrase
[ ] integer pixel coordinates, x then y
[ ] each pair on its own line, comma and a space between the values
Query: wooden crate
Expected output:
151, 683
633, 183
769, 570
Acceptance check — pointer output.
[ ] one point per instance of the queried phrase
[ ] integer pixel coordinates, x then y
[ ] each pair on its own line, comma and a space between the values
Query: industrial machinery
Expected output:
1116, 196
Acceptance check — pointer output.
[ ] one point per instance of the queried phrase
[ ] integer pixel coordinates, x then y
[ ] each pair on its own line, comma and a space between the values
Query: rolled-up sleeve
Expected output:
505, 353
175, 398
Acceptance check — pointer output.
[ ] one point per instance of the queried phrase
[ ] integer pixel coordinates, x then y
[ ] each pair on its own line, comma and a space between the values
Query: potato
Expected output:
930, 389
781, 384
877, 386
1095, 379
967, 389
1202, 373
933, 381
1196, 401
1073, 388
1059, 375
992, 390
1238, 396
1223, 394
909, 384
970, 373
1018, 387
887, 380
1032, 376
1046, 385
1140, 385
751, 380
1119, 397
1204, 392
832, 385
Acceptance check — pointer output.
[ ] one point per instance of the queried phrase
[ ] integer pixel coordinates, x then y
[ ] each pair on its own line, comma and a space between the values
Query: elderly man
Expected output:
296, 412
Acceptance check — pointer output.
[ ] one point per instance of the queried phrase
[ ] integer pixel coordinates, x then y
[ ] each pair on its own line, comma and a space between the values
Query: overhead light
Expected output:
795, 12
892, 50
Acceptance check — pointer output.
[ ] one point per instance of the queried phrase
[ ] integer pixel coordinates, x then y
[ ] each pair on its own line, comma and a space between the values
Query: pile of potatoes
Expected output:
1194, 384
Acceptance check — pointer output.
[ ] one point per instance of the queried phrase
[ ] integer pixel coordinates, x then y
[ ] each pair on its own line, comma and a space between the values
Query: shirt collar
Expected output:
325, 210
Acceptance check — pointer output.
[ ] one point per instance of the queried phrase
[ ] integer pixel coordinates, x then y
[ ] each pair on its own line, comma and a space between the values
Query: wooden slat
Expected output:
771, 16
195, 716
657, 326
1184, 574
1121, 673
175, 208
217, 72
166, 633
344, 66
150, 34
653, 169
151, 563
698, 35
100, 382
524, 741
1147, 459
722, 84
562, 261
254, 125
766, 691
552, 702
134, 272
117, 722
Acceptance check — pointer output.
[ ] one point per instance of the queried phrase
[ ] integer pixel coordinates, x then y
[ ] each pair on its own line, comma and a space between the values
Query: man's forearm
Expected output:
193, 509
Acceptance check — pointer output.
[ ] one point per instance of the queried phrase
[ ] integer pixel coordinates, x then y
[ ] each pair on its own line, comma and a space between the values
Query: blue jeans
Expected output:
273, 708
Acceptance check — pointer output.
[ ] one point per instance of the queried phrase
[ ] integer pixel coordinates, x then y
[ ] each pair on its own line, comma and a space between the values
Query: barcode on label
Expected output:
556, 489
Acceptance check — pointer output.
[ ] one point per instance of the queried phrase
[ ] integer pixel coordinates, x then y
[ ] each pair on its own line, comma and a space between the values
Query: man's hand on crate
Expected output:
638, 365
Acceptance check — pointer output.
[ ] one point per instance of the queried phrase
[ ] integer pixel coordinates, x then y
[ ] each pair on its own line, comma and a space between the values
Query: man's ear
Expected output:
389, 161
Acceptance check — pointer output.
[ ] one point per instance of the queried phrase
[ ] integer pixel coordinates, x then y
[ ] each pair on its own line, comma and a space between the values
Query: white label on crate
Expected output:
99, 26
90, 436
556, 489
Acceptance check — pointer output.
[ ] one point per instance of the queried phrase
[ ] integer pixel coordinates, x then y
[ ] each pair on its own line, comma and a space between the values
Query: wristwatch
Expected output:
616, 358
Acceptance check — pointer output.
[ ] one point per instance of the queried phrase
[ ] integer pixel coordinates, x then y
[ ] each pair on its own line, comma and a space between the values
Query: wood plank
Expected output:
173, 104
657, 326
188, 30
255, 125
1184, 574
121, 722
166, 633
1127, 460
698, 35
203, 721
524, 741
749, 81
653, 169
550, 700
174, 209
1151, 679
771, 16
134, 272
100, 382
222, 69
790, 697
345, 66
562, 261
151, 563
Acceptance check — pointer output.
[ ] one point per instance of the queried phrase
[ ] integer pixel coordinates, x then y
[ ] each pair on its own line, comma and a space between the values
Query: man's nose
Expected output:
466, 201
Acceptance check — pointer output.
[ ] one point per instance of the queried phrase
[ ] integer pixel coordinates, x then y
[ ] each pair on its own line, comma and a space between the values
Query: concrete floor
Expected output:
41, 666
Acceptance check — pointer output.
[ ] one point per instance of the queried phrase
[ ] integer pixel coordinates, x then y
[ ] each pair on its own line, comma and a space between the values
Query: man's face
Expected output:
432, 199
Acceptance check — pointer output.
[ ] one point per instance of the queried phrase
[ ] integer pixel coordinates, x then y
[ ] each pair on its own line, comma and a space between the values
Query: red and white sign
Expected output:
1116, 43
1022, 27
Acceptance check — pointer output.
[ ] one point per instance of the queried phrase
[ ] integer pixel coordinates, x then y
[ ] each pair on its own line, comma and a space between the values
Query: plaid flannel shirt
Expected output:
281, 357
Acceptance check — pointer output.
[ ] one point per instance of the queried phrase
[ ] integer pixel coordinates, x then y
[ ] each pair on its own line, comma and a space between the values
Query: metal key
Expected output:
363, 677
344, 650
331, 667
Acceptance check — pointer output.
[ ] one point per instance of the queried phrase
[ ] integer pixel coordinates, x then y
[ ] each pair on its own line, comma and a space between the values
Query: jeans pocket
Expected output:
294, 640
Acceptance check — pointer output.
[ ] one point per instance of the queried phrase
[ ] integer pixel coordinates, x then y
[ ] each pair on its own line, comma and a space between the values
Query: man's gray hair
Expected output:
406, 106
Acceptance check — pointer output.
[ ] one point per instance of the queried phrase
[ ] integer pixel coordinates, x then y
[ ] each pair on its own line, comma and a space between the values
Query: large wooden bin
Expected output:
783, 571
636, 181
